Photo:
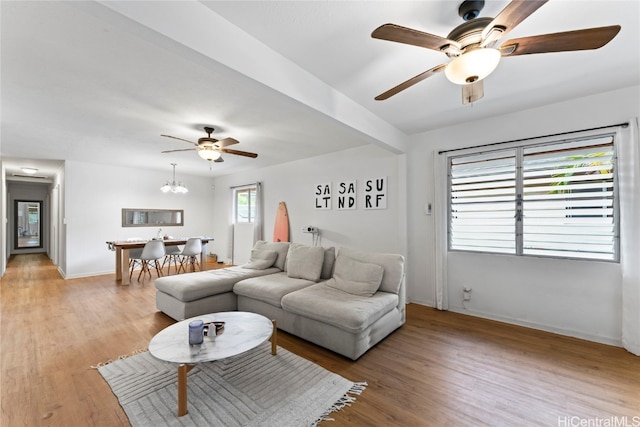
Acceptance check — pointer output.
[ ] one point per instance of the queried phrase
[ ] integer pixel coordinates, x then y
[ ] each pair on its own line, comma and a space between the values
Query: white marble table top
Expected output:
242, 332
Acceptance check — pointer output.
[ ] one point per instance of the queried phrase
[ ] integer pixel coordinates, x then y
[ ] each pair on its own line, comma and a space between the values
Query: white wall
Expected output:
294, 183
577, 298
94, 196
4, 220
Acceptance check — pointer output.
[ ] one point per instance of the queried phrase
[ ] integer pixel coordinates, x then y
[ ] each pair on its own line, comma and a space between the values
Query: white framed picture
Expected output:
322, 193
346, 195
375, 193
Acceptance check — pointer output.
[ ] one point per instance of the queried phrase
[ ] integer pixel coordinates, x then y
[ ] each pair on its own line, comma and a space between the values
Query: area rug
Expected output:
253, 389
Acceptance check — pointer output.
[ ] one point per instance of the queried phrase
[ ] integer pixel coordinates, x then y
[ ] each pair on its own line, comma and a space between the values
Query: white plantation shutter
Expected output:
568, 200
547, 200
482, 208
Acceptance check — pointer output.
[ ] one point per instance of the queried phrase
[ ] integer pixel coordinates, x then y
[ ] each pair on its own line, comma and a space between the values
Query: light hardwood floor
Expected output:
439, 369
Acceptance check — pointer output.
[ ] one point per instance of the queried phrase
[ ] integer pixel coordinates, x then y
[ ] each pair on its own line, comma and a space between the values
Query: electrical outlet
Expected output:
310, 229
466, 294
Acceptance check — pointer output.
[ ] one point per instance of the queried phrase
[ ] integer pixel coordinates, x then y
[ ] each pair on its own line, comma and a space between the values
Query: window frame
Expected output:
518, 233
250, 191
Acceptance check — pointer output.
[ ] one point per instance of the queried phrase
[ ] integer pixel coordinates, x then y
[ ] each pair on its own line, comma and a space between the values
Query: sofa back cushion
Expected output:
261, 259
355, 277
280, 247
393, 265
305, 262
327, 265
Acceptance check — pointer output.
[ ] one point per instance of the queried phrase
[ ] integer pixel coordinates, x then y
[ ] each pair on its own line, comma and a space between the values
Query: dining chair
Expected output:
152, 252
172, 255
134, 255
190, 254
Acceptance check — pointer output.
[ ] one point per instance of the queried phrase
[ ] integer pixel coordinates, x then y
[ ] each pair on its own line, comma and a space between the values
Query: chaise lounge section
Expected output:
346, 303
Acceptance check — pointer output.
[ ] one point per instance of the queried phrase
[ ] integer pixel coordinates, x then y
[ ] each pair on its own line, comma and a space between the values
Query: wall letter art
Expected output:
375, 193
323, 196
346, 195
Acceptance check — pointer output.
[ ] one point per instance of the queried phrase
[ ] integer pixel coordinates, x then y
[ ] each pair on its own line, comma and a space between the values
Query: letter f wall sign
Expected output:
373, 194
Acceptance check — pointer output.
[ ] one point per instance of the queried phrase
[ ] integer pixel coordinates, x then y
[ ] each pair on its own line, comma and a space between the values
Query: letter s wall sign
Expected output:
375, 193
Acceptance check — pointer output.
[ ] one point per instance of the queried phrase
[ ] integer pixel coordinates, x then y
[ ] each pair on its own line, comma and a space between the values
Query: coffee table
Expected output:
242, 332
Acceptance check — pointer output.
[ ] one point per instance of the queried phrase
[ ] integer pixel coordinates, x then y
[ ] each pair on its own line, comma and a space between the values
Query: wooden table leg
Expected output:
124, 265
182, 388
274, 338
118, 254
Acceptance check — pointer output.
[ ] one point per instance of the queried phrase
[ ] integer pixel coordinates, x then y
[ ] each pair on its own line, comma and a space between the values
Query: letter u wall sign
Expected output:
344, 195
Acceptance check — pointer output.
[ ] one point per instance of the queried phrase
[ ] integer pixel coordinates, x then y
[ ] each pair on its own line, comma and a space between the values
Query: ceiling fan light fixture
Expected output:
472, 65
208, 153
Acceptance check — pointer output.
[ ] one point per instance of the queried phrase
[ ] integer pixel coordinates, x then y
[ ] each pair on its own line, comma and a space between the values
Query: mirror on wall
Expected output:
28, 224
152, 217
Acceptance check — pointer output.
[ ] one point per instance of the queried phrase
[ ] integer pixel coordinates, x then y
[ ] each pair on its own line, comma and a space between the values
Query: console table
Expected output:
122, 254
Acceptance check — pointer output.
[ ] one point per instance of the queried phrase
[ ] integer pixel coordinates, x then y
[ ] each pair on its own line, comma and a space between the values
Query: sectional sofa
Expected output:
346, 303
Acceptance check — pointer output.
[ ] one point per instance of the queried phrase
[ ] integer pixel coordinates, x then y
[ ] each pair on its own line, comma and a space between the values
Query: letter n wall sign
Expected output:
374, 194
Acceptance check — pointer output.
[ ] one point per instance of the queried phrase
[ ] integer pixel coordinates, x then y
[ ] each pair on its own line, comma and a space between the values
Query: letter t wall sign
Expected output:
323, 196
374, 195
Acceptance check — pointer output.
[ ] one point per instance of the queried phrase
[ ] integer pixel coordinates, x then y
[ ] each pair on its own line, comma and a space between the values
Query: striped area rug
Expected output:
253, 389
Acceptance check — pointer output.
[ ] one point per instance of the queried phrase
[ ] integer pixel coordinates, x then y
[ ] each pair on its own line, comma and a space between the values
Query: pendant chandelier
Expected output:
173, 187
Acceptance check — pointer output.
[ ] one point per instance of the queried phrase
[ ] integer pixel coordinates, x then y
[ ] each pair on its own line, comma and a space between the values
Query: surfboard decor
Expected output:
281, 229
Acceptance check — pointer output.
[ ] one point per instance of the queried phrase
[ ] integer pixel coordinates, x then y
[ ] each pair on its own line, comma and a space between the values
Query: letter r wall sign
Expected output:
375, 193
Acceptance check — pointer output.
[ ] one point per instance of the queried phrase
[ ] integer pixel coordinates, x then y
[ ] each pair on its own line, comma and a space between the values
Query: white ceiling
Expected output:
100, 82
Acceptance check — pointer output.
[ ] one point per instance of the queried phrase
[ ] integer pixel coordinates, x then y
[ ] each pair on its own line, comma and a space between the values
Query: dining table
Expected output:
122, 249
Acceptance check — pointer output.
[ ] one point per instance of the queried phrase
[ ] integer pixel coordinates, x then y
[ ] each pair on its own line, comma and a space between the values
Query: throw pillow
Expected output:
261, 259
280, 247
305, 262
355, 277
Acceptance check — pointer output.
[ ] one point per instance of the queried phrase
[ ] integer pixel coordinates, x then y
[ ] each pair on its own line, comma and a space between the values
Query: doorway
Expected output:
28, 224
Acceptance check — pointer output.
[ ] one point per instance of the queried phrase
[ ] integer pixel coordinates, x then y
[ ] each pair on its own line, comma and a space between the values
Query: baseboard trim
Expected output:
617, 342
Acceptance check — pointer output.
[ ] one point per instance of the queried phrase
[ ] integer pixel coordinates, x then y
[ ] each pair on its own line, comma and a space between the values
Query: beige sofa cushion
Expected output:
327, 265
280, 247
355, 277
393, 265
349, 312
305, 262
201, 284
261, 259
271, 288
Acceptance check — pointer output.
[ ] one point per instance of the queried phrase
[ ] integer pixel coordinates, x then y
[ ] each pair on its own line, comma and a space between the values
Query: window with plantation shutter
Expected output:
483, 196
555, 199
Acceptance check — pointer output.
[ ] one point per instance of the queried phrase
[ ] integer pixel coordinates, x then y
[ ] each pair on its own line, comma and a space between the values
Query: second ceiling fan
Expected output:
211, 149
474, 48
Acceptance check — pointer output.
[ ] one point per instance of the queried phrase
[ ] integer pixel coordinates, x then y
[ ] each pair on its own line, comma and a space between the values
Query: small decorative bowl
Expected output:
209, 329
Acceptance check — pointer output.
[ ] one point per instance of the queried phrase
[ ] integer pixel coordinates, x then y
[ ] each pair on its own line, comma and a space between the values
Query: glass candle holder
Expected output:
196, 332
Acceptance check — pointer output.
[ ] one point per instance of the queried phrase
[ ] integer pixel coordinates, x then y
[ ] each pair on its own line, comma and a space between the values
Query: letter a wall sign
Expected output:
323, 196
373, 194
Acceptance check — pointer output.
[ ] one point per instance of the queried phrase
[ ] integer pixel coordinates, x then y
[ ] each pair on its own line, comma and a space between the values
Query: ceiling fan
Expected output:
210, 148
474, 48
